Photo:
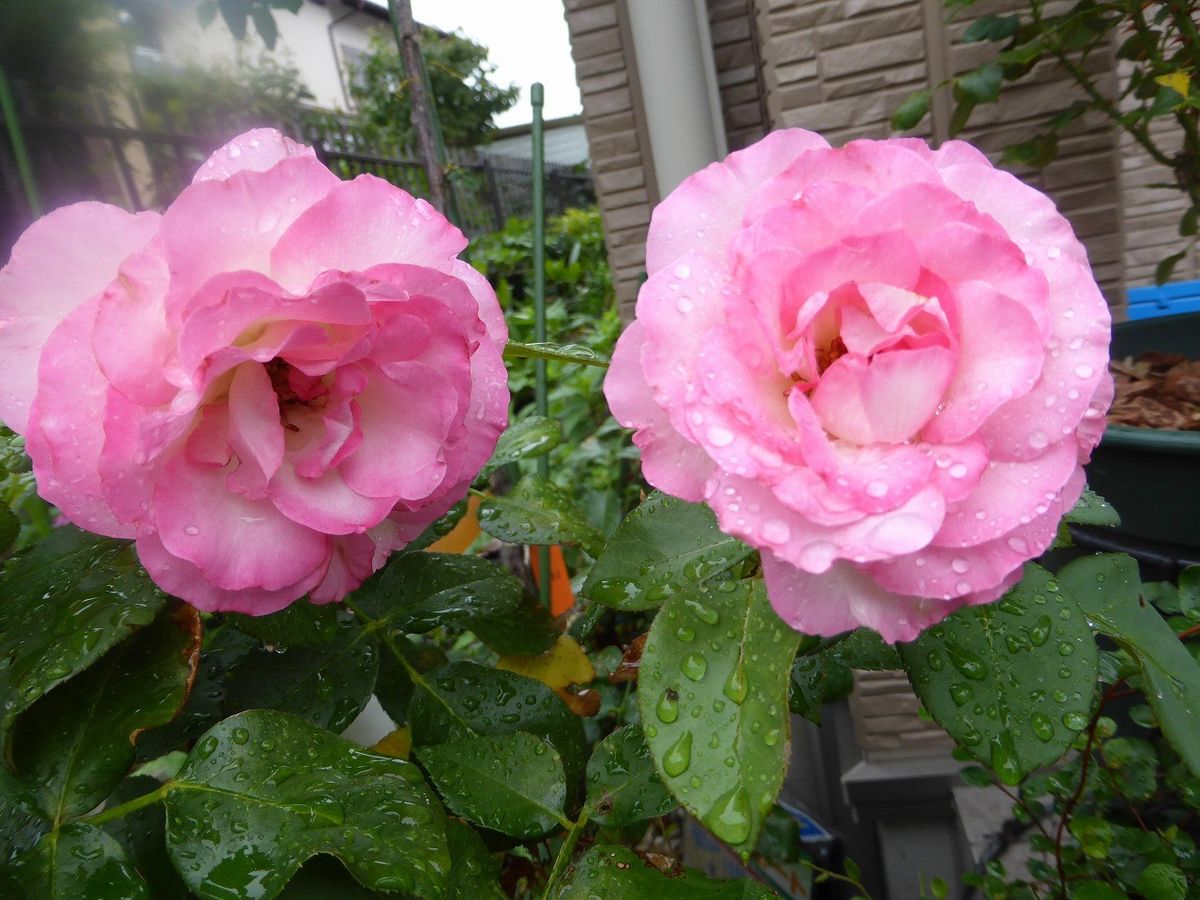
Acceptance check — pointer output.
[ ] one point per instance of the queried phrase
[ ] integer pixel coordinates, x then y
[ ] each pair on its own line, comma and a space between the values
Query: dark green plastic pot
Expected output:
1152, 476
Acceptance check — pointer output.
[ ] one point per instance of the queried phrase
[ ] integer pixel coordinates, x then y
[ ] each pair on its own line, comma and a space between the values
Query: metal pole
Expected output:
8, 107
537, 96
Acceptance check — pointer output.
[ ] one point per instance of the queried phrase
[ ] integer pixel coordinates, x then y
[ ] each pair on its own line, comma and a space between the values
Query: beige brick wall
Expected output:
842, 67
614, 121
739, 71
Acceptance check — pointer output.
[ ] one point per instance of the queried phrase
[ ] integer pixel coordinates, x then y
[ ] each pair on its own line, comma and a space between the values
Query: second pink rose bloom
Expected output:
882, 365
271, 386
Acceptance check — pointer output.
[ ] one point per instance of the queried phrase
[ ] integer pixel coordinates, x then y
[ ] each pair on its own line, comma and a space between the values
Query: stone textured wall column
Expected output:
618, 138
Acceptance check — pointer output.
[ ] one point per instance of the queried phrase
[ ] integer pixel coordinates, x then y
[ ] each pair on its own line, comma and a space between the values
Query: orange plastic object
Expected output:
462, 534
562, 597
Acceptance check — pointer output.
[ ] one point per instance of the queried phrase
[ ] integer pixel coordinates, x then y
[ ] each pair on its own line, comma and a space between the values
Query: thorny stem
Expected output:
565, 851
1102, 103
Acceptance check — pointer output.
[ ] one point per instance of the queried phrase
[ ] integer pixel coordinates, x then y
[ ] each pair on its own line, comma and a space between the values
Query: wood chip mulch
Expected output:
1156, 390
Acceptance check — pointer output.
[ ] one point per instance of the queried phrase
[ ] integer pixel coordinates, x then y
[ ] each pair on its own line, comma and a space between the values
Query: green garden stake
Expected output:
536, 97
8, 107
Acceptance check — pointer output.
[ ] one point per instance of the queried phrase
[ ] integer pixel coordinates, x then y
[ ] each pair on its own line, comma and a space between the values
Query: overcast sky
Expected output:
526, 39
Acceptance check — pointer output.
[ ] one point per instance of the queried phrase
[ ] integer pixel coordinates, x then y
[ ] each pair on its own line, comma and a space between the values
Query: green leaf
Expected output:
909, 113
143, 835
1135, 764
67, 602
10, 527
465, 699
991, 28
511, 783
815, 681
713, 701
234, 13
206, 12
617, 873
1107, 587
223, 647
327, 684
622, 784
322, 877
418, 592
538, 511
264, 23
263, 791
1163, 271
527, 439
865, 649
1162, 881
77, 861
661, 546
438, 530
302, 624
475, 875
1092, 509
1037, 152
980, 85
394, 687
75, 745
569, 353
1011, 681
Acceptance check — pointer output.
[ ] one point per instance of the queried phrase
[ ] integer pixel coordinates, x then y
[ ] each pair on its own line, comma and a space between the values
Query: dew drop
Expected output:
678, 756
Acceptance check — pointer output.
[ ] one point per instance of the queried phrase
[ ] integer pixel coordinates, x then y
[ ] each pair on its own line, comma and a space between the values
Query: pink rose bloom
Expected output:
882, 365
270, 386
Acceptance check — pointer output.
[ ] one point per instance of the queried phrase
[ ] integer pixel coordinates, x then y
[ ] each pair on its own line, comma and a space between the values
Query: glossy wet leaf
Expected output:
538, 511
327, 684
1107, 587
1092, 509
622, 784
21, 824
223, 647
323, 877
263, 791
76, 862
438, 530
576, 353
143, 836
511, 783
713, 699
864, 649
73, 746
67, 601
394, 686
661, 547
302, 624
10, 527
474, 875
815, 681
617, 873
1012, 681
463, 699
418, 592
530, 438
563, 665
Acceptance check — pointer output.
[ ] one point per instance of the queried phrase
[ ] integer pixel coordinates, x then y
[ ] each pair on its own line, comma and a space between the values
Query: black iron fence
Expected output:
141, 169
488, 189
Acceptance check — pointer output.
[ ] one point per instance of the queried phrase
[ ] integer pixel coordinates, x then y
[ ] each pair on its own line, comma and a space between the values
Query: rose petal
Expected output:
38, 289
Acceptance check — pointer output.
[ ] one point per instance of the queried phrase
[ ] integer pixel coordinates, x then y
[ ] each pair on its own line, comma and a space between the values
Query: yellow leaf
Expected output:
563, 664
397, 744
1176, 81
